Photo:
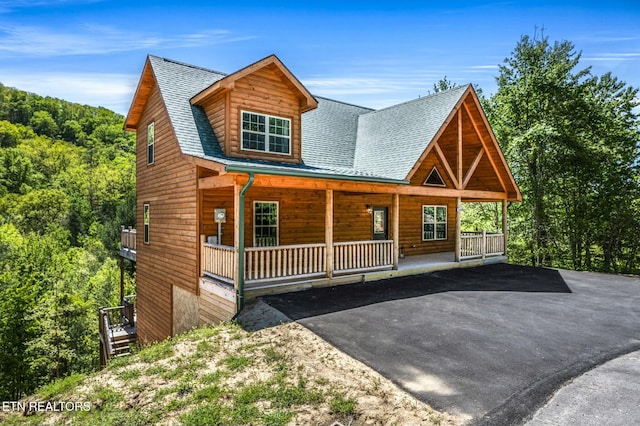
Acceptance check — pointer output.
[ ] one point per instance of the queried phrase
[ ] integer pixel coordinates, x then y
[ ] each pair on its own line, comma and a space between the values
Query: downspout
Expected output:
243, 191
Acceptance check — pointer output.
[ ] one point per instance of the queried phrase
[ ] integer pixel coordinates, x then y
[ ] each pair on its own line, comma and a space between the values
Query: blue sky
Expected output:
364, 52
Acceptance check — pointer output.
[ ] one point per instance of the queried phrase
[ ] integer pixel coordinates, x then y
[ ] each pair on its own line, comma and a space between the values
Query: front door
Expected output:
380, 223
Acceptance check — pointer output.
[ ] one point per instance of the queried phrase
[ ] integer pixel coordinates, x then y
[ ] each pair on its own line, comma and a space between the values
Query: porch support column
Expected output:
328, 232
504, 225
458, 245
395, 215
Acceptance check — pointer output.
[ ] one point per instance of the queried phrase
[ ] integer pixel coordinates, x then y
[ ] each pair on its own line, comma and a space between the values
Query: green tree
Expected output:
43, 124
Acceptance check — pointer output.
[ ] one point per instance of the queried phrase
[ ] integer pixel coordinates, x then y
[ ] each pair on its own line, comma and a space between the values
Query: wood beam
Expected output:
472, 168
504, 225
211, 182
328, 232
458, 244
448, 120
446, 165
368, 187
395, 226
459, 156
484, 144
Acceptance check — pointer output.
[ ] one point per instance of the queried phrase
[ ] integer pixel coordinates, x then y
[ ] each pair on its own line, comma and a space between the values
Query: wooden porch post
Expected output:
396, 229
458, 226
328, 232
504, 225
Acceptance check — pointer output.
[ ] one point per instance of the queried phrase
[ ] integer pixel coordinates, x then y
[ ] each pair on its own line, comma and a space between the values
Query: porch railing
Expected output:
262, 263
219, 261
128, 238
359, 255
481, 244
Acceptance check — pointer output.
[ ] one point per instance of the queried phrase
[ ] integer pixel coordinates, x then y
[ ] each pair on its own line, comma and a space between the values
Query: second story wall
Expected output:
267, 94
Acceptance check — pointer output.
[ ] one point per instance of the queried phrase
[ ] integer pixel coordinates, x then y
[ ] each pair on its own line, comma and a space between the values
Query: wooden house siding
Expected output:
216, 110
169, 187
265, 93
410, 240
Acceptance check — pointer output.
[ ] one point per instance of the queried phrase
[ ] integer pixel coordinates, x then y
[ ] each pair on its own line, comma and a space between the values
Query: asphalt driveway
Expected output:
492, 342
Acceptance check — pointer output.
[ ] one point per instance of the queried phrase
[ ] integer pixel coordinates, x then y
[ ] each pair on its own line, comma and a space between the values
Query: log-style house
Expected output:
247, 184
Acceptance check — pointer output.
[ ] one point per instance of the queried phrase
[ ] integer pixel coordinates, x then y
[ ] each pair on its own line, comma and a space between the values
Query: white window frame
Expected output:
277, 226
267, 134
435, 222
151, 143
146, 222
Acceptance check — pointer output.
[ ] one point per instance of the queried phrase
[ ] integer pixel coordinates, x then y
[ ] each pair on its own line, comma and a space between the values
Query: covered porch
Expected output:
292, 267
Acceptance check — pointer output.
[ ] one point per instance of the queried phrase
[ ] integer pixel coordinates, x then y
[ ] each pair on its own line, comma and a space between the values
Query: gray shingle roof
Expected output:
337, 138
391, 140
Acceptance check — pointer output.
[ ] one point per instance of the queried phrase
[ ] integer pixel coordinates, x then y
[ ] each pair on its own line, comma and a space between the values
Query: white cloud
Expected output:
614, 57
91, 39
113, 91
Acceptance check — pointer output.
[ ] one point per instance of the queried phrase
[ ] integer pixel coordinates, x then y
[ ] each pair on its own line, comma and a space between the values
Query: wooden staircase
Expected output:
117, 327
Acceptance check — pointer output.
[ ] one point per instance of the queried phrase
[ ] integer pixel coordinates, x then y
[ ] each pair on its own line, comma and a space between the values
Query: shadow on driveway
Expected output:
498, 277
492, 342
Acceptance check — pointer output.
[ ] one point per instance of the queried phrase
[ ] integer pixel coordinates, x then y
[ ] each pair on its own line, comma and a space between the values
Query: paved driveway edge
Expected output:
521, 406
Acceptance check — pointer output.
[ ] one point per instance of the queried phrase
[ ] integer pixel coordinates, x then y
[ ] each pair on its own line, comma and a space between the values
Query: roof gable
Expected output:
307, 101
402, 133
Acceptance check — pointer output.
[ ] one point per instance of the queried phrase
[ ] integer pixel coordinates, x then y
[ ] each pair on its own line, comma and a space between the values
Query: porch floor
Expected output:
410, 265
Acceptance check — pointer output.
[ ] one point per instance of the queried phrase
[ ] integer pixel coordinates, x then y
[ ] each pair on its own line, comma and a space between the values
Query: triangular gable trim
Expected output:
143, 91
458, 108
227, 83
434, 179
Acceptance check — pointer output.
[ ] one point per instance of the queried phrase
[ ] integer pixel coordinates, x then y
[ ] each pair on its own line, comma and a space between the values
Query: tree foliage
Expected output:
67, 177
571, 140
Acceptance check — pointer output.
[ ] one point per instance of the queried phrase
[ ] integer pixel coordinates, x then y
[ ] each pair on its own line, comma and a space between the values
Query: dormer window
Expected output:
266, 133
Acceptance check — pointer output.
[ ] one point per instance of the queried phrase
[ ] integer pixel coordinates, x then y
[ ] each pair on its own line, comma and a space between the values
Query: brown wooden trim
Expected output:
476, 101
484, 144
236, 225
446, 165
459, 157
458, 230
395, 227
446, 122
368, 187
472, 168
328, 230
211, 182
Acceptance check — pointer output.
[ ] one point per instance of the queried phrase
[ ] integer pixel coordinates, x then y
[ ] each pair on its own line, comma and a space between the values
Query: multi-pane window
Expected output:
151, 140
146, 223
266, 133
434, 223
265, 223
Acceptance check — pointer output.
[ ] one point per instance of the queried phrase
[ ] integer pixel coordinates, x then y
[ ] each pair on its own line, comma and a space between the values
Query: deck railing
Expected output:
267, 263
219, 261
481, 244
128, 238
360, 255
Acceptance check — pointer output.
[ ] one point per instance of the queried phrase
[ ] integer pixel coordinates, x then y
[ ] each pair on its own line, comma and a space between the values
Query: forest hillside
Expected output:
67, 183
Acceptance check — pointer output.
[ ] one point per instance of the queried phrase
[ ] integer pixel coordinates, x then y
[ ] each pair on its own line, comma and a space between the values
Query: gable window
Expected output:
151, 140
434, 223
434, 179
265, 223
266, 133
145, 209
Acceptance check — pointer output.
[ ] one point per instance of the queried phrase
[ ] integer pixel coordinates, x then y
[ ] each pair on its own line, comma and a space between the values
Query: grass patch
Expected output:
339, 404
157, 351
271, 355
206, 415
277, 418
130, 374
236, 362
60, 386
